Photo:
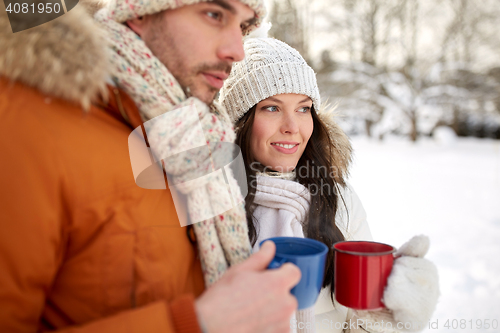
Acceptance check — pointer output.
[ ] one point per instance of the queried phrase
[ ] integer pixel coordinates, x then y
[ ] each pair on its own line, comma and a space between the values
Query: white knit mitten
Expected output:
411, 293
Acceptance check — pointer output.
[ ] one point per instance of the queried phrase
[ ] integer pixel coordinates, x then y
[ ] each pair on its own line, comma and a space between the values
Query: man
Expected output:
82, 247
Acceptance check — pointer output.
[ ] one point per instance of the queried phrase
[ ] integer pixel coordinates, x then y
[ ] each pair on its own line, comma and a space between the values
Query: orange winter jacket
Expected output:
82, 247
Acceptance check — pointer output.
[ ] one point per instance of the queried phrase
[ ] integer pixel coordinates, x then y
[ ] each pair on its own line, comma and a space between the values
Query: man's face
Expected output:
198, 43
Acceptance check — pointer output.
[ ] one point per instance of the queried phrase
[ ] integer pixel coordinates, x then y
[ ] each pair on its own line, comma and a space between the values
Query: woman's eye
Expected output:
305, 109
271, 108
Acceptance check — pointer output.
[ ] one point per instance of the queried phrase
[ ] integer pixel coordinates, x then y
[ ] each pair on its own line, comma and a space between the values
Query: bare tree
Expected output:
288, 26
387, 61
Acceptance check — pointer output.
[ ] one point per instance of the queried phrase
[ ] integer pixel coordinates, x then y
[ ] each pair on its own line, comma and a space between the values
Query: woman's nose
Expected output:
290, 124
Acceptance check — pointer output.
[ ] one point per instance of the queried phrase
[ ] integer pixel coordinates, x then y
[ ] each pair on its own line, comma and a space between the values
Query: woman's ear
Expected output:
137, 25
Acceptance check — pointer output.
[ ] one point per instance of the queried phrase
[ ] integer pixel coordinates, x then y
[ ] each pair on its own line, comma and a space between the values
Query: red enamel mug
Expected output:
361, 272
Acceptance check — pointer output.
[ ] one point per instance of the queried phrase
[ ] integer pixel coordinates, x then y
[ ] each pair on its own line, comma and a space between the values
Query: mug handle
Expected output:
276, 263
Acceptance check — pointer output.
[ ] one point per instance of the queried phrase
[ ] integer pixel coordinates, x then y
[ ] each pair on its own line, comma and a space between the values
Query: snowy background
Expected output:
408, 76
448, 189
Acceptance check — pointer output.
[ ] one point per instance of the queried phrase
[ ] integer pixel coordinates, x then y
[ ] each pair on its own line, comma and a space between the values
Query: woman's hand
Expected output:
411, 293
413, 287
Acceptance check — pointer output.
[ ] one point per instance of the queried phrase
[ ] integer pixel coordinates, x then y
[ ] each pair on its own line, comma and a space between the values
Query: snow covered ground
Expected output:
450, 191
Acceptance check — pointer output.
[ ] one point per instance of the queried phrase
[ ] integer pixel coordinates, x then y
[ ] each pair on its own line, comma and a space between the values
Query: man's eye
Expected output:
215, 15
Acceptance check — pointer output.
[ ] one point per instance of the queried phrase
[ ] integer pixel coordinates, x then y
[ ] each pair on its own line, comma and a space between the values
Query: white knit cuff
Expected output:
305, 320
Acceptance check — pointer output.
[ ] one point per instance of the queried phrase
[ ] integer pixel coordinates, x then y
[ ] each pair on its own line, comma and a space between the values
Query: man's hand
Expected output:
250, 298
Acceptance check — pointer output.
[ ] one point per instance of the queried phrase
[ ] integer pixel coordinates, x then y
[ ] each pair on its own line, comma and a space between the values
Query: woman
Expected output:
297, 161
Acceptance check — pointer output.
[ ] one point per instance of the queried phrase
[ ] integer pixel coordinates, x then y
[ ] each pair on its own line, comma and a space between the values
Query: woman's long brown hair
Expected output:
314, 171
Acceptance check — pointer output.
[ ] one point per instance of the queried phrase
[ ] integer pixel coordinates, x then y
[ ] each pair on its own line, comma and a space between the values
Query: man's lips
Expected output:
215, 78
285, 147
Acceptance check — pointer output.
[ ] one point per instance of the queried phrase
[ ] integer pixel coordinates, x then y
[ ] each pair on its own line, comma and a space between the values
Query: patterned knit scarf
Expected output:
223, 239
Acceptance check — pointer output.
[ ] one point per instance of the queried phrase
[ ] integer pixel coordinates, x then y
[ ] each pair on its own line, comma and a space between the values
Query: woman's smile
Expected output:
286, 147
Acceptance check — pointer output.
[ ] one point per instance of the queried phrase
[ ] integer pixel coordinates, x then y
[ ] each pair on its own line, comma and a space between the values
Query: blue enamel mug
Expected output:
309, 256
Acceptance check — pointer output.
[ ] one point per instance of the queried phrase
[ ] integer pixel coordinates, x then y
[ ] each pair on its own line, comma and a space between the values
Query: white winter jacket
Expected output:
282, 207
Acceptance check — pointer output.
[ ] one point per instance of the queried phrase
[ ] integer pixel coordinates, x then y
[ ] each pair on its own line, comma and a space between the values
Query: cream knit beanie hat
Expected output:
270, 68
124, 10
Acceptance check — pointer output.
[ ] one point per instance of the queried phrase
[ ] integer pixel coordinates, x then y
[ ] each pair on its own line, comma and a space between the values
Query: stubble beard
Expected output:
188, 84
165, 48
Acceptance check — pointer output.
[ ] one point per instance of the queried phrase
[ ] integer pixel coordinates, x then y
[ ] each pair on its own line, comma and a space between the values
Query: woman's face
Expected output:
281, 129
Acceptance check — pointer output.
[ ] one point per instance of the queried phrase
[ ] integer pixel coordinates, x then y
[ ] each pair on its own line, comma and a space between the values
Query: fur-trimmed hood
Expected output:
65, 58
341, 146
